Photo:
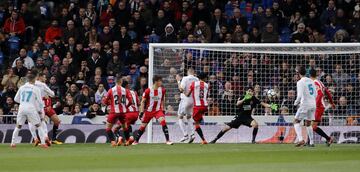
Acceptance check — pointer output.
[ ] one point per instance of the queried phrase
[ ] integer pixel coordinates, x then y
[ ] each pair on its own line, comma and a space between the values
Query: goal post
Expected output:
233, 67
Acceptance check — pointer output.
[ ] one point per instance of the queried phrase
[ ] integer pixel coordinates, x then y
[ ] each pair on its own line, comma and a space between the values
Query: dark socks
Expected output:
139, 133
221, 133
54, 131
199, 131
322, 133
166, 132
255, 131
110, 134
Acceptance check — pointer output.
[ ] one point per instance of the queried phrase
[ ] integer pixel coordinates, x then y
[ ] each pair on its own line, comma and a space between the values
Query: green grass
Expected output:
180, 157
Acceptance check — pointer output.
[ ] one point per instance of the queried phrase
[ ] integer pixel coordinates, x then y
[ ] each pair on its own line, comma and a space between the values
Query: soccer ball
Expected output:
271, 94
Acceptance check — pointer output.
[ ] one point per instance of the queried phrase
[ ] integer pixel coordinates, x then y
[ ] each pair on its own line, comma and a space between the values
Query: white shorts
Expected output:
305, 113
32, 117
185, 107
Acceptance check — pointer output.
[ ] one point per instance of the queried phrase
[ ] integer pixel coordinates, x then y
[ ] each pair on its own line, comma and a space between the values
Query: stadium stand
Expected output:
82, 45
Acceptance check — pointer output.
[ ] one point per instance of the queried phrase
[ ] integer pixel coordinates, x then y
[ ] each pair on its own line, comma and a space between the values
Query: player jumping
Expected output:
152, 105
49, 111
306, 95
186, 105
246, 104
199, 91
31, 106
131, 115
119, 99
320, 107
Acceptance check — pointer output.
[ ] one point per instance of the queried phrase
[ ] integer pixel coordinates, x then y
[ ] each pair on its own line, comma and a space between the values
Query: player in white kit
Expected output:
186, 105
306, 99
46, 93
30, 108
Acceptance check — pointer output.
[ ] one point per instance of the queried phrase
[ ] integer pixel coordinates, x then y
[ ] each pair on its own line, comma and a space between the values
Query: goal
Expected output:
234, 67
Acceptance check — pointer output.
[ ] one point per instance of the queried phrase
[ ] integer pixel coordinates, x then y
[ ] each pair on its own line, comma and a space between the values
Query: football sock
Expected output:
182, 127
140, 133
32, 129
126, 134
14, 135
44, 128
166, 132
54, 131
110, 134
254, 133
310, 133
42, 134
199, 131
298, 131
221, 133
190, 127
130, 130
322, 133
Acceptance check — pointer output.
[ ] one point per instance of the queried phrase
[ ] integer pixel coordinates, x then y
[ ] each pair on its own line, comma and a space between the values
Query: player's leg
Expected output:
34, 118
32, 129
221, 133
255, 127
235, 123
190, 126
111, 119
198, 117
20, 121
53, 116
165, 129
140, 131
298, 117
318, 116
310, 116
181, 122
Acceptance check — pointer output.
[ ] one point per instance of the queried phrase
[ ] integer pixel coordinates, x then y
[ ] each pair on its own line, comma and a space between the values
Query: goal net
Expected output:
234, 67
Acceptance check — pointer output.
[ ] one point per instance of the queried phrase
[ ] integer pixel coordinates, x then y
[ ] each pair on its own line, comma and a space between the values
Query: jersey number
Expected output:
116, 99
26, 95
201, 94
311, 89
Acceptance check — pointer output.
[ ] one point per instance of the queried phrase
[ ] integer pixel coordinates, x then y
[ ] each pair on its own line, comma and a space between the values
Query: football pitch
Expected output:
180, 158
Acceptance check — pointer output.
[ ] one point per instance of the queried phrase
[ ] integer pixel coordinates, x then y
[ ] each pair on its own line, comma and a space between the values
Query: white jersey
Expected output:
306, 93
29, 98
185, 84
44, 89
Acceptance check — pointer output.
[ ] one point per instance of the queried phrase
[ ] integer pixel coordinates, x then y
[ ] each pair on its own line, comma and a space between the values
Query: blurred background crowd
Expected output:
81, 45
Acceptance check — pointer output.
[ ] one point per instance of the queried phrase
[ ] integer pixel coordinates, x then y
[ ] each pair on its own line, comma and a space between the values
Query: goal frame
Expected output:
152, 47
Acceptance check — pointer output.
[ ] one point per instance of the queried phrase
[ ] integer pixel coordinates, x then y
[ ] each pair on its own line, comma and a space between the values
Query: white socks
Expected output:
15, 135
41, 134
182, 127
310, 133
44, 127
298, 131
190, 126
32, 129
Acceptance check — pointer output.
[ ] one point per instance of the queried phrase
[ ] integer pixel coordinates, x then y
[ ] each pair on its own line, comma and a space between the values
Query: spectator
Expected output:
100, 93
10, 78
169, 35
299, 36
202, 32
77, 110
52, 32
14, 25
94, 111
19, 69
83, 98
340, 77
237, 19
115, 66
269, 36
28, 62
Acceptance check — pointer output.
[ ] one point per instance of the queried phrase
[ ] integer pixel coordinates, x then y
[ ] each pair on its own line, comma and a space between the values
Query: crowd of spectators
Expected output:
81, 45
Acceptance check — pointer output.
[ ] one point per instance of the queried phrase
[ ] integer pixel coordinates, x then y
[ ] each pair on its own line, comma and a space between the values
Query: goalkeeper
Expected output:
246, 104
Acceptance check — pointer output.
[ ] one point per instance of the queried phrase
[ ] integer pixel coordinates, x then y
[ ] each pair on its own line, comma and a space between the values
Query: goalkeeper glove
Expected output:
247, 96
274, 106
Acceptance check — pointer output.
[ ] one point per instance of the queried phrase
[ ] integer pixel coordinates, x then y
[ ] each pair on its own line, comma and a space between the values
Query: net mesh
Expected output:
232, 69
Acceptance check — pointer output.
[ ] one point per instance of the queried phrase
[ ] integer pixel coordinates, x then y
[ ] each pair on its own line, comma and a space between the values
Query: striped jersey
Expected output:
199, 90
134, 107
154, 99
321, 91
119, 99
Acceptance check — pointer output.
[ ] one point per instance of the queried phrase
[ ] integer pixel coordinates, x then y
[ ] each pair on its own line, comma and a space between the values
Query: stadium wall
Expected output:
83, 133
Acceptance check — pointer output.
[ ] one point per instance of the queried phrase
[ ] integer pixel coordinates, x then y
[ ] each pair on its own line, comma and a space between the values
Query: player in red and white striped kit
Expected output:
199, 91
322, 91
119, 99
152, 105
131, 115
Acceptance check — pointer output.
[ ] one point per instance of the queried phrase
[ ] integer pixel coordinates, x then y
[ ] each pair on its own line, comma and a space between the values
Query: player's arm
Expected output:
143, 101
129, 98
191, 89
163, 100
105, 101
180, 83
17, 96
39, 103
272, 106
329, 97
241, 100
48, 91
299, 90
